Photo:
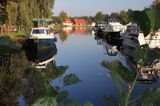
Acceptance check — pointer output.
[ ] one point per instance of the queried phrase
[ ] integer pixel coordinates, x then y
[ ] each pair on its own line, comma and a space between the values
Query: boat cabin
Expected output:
133, 29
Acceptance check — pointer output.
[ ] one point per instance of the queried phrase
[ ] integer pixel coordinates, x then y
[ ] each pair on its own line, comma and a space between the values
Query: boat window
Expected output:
38, 31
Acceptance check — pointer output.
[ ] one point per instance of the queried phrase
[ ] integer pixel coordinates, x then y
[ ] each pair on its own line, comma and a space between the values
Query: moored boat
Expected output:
130, 36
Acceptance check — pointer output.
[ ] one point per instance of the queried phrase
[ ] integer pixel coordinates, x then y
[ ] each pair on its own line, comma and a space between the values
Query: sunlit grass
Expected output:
15, 35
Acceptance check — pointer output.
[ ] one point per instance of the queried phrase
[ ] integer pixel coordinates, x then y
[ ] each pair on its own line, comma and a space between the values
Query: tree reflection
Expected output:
63, 36
12, 66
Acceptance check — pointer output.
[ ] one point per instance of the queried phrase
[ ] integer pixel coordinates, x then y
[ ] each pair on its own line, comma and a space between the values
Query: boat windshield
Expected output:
38, 31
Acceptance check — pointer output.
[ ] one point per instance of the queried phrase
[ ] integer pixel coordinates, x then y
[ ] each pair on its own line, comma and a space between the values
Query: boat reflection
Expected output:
111, 45
40, 54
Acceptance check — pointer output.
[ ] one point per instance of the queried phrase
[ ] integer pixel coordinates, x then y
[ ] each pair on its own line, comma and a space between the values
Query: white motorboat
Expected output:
114, 26
41, 33
153, 41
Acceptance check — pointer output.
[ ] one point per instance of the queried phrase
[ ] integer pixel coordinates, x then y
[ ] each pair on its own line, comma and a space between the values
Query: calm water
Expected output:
83, 52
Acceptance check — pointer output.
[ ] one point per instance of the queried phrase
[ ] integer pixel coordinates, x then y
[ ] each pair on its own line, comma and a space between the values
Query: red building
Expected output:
80, 22
67, 22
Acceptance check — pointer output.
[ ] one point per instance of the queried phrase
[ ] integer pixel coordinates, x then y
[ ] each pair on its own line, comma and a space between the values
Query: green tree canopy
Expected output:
63, 15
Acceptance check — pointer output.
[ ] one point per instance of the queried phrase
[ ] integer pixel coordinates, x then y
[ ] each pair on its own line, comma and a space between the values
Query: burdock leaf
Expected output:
62, 96
71, 79
150, 95
46, 101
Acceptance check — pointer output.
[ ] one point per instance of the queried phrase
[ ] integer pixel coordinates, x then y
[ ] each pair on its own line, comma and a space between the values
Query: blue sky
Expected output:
91, 7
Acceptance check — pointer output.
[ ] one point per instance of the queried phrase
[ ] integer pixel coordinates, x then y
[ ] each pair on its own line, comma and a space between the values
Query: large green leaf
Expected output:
35, 78
148, 104
154, 17
111, 101
150, 95
142, 19
52, 72
7, 45
145, 55
116, 66
62, 96
46, 101
87, 104
71, 102
71, 79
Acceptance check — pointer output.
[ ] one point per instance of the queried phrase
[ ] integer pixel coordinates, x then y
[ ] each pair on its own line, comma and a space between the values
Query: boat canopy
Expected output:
41, 22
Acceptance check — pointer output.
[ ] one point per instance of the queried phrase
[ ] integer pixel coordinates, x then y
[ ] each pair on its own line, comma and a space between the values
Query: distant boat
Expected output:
114, 26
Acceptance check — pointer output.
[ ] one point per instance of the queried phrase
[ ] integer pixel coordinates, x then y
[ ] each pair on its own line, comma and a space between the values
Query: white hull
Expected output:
153, 42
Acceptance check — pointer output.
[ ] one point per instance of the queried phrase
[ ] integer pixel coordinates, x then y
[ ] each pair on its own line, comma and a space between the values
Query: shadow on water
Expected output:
26, 81
127, 80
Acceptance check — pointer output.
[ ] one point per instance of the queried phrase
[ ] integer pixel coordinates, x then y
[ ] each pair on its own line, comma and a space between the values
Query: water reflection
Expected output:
145, 70
67, 30
12, 68
80, 30
41, 54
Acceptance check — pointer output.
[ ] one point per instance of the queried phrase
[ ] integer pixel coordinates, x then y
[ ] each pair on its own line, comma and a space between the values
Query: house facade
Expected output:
80, 22
67, 22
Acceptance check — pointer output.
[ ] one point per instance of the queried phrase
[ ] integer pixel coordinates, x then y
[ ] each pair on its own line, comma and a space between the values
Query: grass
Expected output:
15, 35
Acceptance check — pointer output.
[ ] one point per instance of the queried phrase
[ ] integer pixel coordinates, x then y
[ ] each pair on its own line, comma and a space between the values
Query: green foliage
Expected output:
142, 19
62, 96
21, 33
153, 16
99, 17
21, 12
7, 45
124, 17
87, 104
53, 72
116, 66
150, 95
71, 102
63, 15
156, 4
111, 101
46, 101
144, 55
117, 78
71, 79
12, 67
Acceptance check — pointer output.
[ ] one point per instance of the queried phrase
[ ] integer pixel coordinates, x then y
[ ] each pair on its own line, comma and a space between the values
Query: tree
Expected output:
3, 12
99, 17
63, 15
124, 17
21, 12
156, 4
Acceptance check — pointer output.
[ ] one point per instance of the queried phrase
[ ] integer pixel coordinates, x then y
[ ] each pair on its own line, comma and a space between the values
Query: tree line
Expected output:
21, 12
124, 16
